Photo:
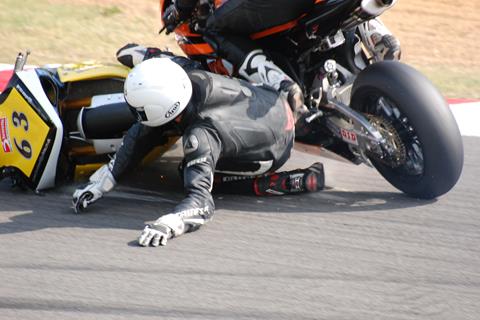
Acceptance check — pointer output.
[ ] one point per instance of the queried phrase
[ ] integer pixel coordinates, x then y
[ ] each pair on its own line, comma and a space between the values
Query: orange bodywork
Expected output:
184, 31
279, 28
276, 29
196, 49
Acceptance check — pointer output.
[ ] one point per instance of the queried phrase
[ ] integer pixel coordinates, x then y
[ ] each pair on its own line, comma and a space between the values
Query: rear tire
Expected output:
429, 124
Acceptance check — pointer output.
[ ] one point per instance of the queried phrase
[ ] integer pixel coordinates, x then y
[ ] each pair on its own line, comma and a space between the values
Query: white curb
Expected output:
468, 118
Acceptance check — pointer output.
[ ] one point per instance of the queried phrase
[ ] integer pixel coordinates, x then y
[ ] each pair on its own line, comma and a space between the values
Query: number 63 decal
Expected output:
25, 149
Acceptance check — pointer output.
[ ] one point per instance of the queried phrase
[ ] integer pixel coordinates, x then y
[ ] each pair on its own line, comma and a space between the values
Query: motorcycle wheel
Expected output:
426, 133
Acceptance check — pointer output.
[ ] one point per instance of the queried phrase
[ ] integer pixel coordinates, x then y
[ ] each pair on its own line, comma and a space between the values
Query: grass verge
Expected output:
64, 31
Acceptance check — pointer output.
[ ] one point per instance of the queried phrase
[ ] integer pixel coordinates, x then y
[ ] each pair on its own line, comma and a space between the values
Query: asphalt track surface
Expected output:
359, 250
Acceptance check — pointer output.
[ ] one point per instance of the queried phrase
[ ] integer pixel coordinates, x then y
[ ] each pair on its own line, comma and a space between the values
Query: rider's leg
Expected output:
256, 67
245, 17
229, 28
310, 179
380, 42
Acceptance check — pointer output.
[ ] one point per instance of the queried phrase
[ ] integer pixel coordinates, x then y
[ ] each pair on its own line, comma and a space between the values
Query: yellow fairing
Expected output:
23, 133
91, 71
159, 151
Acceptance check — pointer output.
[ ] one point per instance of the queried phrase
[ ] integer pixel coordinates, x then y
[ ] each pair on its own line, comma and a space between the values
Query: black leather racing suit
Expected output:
227, 121
229, 27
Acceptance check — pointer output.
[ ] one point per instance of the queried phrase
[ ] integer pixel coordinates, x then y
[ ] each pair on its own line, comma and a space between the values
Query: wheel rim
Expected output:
411, 162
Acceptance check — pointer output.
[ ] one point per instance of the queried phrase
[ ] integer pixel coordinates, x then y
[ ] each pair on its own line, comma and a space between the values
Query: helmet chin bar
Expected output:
139, 114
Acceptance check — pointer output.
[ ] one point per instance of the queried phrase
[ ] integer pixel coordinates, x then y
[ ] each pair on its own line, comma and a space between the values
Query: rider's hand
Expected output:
85, 196
171, 18
101, 181
164, 228
155, 234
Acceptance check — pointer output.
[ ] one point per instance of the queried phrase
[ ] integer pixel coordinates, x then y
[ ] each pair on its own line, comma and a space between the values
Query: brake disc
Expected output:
394, 151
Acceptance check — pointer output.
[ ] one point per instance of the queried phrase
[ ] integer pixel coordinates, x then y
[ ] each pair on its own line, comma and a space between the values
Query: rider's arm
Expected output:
136, 144
176, 12
202, 147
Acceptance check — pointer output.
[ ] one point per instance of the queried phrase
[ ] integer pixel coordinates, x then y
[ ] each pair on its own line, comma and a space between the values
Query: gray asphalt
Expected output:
359, 250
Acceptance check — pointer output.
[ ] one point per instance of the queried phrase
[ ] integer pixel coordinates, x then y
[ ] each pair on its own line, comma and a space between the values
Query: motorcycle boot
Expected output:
101, 182
379, 41
310, 179
132, 54
258, 68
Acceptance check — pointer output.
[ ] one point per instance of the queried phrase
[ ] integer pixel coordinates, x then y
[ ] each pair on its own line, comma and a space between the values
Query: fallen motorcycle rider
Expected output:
222, 121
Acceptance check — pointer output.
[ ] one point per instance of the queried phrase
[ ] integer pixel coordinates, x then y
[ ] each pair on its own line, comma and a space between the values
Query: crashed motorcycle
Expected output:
381, 113
61, 122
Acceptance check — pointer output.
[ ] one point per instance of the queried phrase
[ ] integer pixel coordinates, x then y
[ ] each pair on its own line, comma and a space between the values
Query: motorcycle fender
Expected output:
91, 71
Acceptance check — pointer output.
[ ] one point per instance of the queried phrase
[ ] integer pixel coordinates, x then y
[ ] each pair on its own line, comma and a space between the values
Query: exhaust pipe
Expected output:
367, 10
375, 8
105, 122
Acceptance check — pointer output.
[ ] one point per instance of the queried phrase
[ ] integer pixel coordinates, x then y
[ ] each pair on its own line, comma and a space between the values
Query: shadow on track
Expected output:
127, 209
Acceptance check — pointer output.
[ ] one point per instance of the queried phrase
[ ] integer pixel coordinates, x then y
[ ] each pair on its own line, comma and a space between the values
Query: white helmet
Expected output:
159, 90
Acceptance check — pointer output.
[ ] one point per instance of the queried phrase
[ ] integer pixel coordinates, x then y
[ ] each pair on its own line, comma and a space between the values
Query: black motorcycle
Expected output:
368, 110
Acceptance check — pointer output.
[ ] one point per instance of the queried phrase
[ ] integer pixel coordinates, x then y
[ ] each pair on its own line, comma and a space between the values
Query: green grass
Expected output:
63, 31
454, 82
110, 11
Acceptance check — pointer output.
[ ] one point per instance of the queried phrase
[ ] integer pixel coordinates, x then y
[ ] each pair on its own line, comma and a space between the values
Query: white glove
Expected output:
154, 235
164, 228
101, 181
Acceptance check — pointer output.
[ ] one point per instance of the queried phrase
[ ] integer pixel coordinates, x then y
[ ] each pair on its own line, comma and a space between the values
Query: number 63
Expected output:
24, 147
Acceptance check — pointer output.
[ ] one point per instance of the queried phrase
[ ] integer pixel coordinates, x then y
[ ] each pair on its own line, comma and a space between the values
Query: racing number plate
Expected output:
349, 136
22, 134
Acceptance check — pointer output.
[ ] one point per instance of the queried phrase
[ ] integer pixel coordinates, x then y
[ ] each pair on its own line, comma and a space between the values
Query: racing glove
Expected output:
164, 228
132, 54
101, 182
171, 18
